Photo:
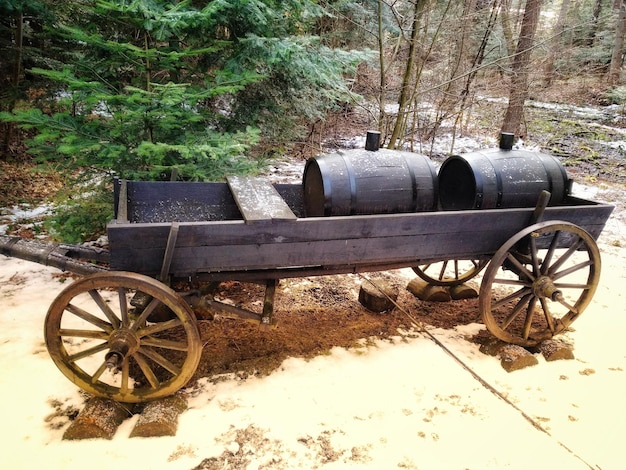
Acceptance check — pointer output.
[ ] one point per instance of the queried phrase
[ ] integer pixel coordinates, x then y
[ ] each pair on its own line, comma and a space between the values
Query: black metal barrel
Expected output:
369, 182
500, 178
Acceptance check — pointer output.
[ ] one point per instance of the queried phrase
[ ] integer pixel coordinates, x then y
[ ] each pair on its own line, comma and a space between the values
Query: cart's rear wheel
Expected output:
450, 272
102, 334
549, 274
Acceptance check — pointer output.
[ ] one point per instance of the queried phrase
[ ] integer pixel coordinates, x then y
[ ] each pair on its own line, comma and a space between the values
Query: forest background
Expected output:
146, 88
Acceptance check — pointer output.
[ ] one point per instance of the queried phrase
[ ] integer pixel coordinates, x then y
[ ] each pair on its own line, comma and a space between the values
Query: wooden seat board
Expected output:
258, 200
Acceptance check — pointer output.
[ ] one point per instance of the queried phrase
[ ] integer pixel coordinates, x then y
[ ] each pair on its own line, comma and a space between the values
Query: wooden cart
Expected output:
122, 332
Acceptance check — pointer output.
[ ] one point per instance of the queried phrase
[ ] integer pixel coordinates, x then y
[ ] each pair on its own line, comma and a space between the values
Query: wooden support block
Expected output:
427, 292
463, 291
379, 296
513, 357
258, 200
492, 346
160, 417
554, 350
98, 420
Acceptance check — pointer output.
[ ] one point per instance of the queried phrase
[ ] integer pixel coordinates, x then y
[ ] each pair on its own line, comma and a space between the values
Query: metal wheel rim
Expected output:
104, 321
532, 302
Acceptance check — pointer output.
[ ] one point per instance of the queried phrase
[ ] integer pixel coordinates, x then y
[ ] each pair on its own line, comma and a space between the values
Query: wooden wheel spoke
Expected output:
93, 334
516, 310
426, 267
456, 269
550, 252
533, 254
104, 307
160, 360
147, 371
565, 285
124, 388
517, 294
158, 327
141, 320
512, 282
528, 321
165, 344
568, 306
442, 271
121, 293
521, 269
547, 315
87, 352
450, 272
571, 269
98, 373
88, 317
561, 261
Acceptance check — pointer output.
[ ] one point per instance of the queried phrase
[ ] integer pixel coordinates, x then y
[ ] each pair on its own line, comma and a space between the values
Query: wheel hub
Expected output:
122, 342
543, 287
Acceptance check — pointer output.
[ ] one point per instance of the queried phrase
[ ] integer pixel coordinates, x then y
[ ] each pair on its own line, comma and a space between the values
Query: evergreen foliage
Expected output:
155, 85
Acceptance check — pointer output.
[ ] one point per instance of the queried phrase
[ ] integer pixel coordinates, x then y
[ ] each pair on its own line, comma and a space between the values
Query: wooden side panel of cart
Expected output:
225, 249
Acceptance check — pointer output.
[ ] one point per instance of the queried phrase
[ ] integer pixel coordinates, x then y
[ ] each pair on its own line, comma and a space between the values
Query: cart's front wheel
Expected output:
450, 272
539, 282
102, 333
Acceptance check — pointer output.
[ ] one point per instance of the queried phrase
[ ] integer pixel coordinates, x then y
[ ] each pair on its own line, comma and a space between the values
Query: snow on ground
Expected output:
402, 403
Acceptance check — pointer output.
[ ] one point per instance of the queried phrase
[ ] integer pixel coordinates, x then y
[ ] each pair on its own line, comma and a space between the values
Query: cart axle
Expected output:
543, 287
123, 342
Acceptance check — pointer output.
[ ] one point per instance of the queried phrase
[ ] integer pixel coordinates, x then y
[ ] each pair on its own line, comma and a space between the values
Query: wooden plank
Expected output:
138, 236
122, 206
398, 239
258, 200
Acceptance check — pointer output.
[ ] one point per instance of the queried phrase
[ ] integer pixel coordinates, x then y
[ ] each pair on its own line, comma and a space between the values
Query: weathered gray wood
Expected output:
160, 417
514, 357
463, 291
169, 252
427, 292
351, 241
63, 257
258, 200
378, 296
184, 201
122, 202
554, 349
98, 420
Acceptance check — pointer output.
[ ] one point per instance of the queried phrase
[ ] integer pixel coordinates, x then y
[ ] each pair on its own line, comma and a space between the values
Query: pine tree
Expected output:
155, 84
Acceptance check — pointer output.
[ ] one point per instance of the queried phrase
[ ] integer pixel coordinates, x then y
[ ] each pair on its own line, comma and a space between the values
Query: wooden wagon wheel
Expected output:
102, 334
550, 272
450, 272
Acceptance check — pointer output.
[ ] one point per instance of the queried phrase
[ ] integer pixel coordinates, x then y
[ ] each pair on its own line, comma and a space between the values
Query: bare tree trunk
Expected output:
618, 45
469, 56
520, 69
383, 72
597, 11
507, 30
451, 93
476, 63
405, 92
555, 48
